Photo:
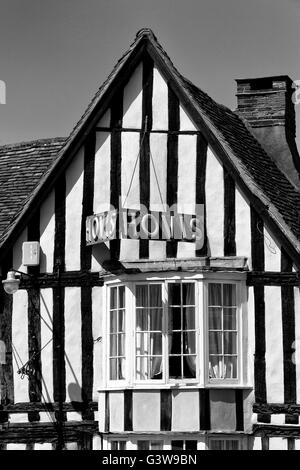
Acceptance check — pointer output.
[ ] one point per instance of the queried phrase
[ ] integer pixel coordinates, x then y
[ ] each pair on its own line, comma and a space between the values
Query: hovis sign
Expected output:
143, 224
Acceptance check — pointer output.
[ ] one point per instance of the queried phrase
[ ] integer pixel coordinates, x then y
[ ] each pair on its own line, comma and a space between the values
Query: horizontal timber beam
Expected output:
276, 430
36, 406
65, 279
276, 408
46, 432
256, 278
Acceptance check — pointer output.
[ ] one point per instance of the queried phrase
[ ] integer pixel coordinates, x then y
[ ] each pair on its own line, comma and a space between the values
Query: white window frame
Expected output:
201, 281
241, 440
216, 381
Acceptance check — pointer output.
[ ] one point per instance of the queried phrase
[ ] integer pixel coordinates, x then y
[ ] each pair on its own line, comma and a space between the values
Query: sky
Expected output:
55, 54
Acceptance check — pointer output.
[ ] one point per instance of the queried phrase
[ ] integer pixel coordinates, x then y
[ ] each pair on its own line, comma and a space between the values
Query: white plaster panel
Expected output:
242, 226
96, 442
185, 411
274, 347
98, 315
250, 336
186, 124
187, 155
296, 345
47, 229
102, 172
185, 250
272, 253
133, 99
47, 417
142, 403
297, 444
222, 410
46, 308
74, 416
129, 250
214, 193
20, 343
116, 411
19, 417
277, 443
73, 356
249, 400
16, 447
101, 411
257, 443
278, 419
71, 446
201, 445
159, 102
158, 172
44, 446
74, 193
17, 252
130, 191
158, 187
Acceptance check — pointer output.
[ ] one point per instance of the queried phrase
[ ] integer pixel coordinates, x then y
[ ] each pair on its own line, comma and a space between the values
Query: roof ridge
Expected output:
31, 143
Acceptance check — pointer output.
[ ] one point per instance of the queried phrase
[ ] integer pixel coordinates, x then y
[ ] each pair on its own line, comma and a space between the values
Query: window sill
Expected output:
184, 386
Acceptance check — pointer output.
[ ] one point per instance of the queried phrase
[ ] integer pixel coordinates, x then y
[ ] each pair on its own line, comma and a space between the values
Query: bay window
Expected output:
166, 331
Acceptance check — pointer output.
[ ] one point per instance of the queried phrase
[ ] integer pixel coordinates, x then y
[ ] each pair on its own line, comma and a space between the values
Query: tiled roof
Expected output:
257, 170
21, 168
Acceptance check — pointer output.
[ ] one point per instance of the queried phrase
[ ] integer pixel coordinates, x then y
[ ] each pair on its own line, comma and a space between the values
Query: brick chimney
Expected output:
266, 105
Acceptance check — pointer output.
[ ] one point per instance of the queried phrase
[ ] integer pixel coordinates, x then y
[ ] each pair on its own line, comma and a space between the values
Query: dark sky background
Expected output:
55, 54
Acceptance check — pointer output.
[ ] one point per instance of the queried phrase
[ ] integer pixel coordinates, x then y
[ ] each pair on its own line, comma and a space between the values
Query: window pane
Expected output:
216, 367
155, 320
230, 367
155, 295
189, 318
155, 367
177, 445
156, 445
229, 318
122, 445
121, 296
113, 369
215, 318
214, 294
231, 444
143, 445
141, 368
113, 297
175, 318
230, 343
121, 321
175, 367
113, 322
229, 295
142, 320
188, 293
189, 367
215, 342
113, 351
216, 444
141, 296
121, 369
121, 345
175, 294
114, 445
189, 343
175, 340
191, 445
141, 344
155, 344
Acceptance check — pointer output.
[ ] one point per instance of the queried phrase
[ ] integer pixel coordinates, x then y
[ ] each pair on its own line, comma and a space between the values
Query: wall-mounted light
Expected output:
11, 283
